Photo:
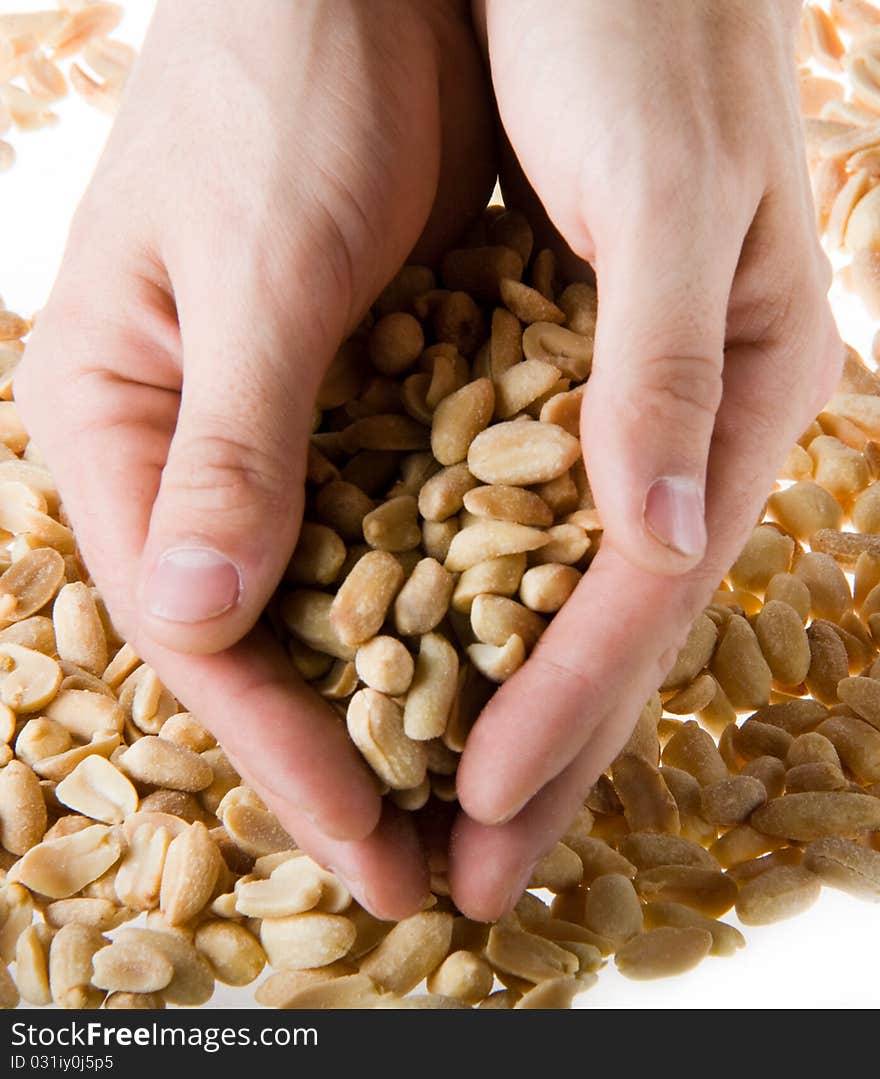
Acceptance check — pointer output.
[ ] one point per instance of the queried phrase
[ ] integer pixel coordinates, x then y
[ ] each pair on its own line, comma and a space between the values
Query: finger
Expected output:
119, 430
289, 740
650, 404
645, 617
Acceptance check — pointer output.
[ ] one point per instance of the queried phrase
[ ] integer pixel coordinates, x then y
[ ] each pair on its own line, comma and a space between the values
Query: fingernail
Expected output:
192, 584
675, 514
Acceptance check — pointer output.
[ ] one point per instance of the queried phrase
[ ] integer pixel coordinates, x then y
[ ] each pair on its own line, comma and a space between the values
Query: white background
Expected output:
827, 957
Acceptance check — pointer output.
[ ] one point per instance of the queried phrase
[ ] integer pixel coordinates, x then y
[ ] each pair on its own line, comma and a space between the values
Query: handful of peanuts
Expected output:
448, 517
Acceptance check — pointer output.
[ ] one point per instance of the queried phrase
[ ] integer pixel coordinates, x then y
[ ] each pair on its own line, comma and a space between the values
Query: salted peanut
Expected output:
192, 982
442, 495
755, 739
133, 967
843, 864
235, 954
504, 503
555, 992
16, 914
726, 940
783, 641
740, 667
863, 696
501, 999
695, 654
393, 526
612, 909
459, 418
815, 814
811, 748
521, 385
795, 716
732, 800
28, 679
463, 976
787, 588
184, 730
409, 952
161, 763
693, 698
342, 506
830, 595
706, 890
693, 750
347, 991
857, 744
743, 844
513, 951
798, 464
280, 987
527, 303
376, 725
569, 352
385, 665
488, 539
643, 740
566, 543
478, 270
737, 601
495, 619
84, 713
564, 410
31, 582
102, 914
559, 870
862, 409
396, 342
398, 294
307, 615
865, 512
546, 588
124, 663
255, 831
308, 662
498, 662
9, 995
814, 776
318, 556
664, 952
59, 868
22, 808
70, 966
497, 576
769, 771
779, 893
837, 467
422, 602
431, 693
829, 663
32, 965
505, 342
647, 802
522, 452
382, 431
359, 608
134, 1001
97, 789
79, 632
766, 553
59, 765
804, 508
296, 885
192, 865
647, 850
560, 494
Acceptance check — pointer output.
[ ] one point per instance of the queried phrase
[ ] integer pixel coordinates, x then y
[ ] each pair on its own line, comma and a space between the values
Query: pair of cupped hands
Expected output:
272, 167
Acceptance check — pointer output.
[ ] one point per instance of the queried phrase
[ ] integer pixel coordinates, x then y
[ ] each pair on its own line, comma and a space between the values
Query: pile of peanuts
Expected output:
839, 54
448, 516
33, 46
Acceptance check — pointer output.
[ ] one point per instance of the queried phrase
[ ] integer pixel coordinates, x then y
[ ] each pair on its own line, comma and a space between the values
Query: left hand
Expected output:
664, 142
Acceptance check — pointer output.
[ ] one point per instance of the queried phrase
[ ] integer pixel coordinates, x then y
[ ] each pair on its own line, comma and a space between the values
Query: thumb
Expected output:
650, 404
230, 501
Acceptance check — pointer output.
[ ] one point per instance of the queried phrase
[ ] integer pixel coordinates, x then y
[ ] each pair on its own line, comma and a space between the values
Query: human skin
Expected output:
269, 171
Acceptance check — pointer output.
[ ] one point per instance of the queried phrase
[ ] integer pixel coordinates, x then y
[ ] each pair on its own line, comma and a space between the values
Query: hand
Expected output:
663, 140
272, 166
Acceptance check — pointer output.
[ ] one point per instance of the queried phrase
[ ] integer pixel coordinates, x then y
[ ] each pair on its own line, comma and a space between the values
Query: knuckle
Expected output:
223, 474
674, 384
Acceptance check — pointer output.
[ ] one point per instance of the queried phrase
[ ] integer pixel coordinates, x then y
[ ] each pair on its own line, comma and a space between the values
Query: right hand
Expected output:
272, 167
